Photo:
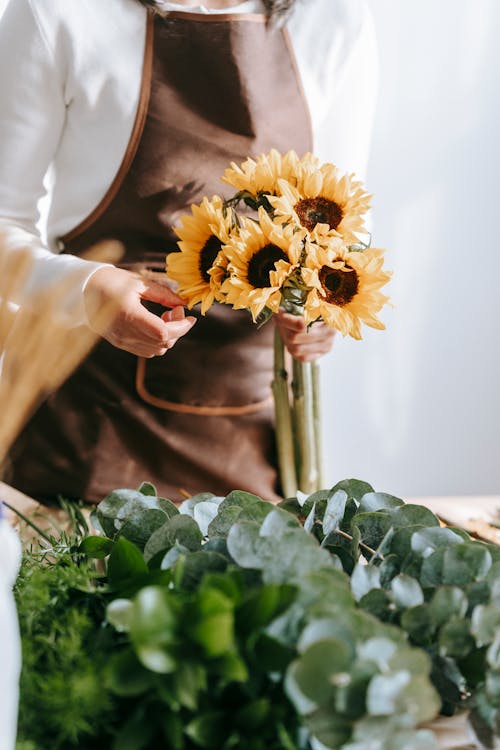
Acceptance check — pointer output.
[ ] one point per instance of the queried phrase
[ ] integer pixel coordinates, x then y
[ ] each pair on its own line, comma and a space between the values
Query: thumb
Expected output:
160, 293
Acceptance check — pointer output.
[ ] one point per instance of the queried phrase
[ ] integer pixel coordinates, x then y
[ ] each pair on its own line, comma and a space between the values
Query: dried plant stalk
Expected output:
39, 349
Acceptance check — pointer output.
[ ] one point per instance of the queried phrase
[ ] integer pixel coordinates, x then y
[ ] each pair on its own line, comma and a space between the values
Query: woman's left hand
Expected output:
304, 344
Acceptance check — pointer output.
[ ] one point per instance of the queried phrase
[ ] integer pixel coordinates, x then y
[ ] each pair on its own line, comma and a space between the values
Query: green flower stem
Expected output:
317, 425
28, 521
283, 416
303, 410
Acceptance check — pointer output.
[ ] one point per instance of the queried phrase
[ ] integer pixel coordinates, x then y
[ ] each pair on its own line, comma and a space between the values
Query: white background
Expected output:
415, 410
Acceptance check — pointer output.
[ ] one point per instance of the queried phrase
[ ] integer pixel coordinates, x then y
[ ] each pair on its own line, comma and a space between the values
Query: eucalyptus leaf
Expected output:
312, 675
427, 540
191, 568
293, 555
119, 614
412, 515
406, 591
180, 529
204, 513
188, 505
324, 628
238, 506
335, 510
373, 526
278, 522
140, 527
147, 488
363, 579
355, 488
329, 728
379, 651
418, 623
446, 602
455, 638
403, 693
372, 501
245, 545
485, 624
493, 654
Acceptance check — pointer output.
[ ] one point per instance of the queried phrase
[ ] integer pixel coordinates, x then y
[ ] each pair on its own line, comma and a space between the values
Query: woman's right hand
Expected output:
129, 325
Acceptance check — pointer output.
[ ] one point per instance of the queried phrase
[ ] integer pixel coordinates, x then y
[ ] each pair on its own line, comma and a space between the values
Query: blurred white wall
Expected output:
415, 410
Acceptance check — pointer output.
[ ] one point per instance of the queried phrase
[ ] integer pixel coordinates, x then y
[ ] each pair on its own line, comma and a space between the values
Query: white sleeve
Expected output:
10, 645
343, 134
32, 118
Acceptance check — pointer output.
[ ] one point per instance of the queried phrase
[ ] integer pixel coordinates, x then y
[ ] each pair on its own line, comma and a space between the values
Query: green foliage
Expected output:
232, 624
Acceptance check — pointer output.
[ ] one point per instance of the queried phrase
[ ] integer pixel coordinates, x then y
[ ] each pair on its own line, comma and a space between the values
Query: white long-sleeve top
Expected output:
10, 645
69, 89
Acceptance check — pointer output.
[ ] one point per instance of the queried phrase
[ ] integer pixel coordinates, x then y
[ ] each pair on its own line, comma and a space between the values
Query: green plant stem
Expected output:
28, 522
283, 416
303, 413
317, 424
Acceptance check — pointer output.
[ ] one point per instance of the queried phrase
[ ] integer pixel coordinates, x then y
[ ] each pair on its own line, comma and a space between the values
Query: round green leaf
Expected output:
355, 488
96, 546
455, 639
446, 602
425, 541
119, 614
125, 561
485, 623
179, 529
364, 578
312, 675
142, 525
372, 501
406, 591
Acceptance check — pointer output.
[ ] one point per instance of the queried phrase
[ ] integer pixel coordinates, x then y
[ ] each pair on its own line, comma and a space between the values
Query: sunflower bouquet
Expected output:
290, 237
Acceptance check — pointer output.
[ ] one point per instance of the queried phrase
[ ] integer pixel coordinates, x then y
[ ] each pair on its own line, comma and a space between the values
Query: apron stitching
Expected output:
180, 408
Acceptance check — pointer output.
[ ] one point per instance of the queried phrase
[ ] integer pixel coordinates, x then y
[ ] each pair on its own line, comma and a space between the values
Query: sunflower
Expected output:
261, 259
344, 287
323, 201
202, 235
262, 174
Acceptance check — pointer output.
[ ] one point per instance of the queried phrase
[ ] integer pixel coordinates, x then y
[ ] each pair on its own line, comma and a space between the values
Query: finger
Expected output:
178, 328
176, 313
290, 322
155, 292
308, 353
147, 325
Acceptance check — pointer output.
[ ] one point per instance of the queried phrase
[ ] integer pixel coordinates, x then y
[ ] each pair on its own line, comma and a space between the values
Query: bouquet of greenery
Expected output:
344, 620
301, 251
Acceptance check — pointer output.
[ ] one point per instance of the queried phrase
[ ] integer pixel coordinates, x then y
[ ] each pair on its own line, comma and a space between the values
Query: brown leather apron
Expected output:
216, 88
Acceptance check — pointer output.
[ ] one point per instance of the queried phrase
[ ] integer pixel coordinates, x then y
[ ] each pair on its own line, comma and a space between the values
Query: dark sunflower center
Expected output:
312, 211
208, 254
339, 286
261, 265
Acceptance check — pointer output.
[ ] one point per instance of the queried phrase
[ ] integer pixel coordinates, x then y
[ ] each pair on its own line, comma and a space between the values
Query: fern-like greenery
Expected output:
65, 703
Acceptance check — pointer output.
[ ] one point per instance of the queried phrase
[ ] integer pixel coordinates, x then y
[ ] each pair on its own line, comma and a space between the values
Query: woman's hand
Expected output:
304, 344
132, 326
